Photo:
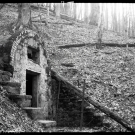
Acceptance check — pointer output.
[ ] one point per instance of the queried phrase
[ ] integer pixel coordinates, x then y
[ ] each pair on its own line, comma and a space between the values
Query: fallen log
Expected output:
72, 45
68, 64
89, 100
66, 46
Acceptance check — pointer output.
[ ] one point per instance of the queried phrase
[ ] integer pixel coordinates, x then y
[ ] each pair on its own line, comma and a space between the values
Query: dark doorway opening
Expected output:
29, 81
32, 80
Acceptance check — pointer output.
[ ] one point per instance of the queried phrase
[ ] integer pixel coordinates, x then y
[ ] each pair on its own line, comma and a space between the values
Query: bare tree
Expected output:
62, 8
100, 28
74, 10
67, 8
86, 12
24, 18
94, 13
133, 25
119, 20
106, 15
57, 9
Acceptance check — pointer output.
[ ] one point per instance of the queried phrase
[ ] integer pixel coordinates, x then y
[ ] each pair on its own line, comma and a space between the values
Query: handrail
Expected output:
89, 100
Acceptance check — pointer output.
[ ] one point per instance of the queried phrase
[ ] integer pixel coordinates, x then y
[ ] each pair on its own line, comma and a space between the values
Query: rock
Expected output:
8, 67
5, 58
7, 73
5, 78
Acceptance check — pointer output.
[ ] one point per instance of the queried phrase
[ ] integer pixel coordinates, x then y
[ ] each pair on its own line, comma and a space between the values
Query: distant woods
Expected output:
118, 17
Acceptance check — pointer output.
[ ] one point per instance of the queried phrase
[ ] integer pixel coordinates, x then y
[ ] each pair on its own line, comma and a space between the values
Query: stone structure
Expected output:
23, 60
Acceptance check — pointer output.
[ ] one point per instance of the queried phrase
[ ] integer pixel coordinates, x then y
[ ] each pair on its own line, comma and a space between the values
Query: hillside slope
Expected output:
13, 118
109, 72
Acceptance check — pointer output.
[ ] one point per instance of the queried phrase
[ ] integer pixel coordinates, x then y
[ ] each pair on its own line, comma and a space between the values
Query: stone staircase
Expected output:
35, 113
24, 101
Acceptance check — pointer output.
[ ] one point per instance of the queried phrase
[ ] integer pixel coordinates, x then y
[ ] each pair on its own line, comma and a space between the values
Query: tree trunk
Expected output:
62, 8
24, 17
57, 9
115, 17
74, 9
119, 19
86, 12
100, 28
67, 8
106, 15
132, 20
94, 14
48, 7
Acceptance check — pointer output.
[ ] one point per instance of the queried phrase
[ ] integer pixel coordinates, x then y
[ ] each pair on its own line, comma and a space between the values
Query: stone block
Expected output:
8, 67
21, 100
31, 41
13, 90
18, 57
47, 123
7, 73
35, 113
5, 58
12, 84
19, 47
5, 78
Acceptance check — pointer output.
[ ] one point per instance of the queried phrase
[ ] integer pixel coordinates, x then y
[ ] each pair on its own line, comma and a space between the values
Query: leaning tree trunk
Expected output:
24, 17
100, 29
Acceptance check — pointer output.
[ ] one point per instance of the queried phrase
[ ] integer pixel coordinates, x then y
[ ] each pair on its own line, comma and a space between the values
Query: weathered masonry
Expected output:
24, 56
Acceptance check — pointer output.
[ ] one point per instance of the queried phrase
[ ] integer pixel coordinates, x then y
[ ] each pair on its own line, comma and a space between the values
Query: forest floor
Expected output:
109, 72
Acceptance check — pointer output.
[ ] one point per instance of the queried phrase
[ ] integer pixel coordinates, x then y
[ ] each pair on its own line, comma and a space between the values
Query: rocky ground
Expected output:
109, 72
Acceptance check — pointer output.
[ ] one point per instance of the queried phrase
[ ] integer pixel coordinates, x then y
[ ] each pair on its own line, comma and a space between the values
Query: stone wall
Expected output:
69, 108
15, 56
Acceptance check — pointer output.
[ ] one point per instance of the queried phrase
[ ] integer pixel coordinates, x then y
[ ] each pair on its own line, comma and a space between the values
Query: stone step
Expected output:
35, 113
5, 75
12, 84
11, 87
47, 123
21, 100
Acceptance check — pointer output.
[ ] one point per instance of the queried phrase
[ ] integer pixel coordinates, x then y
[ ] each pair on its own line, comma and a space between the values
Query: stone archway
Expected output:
16, 50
